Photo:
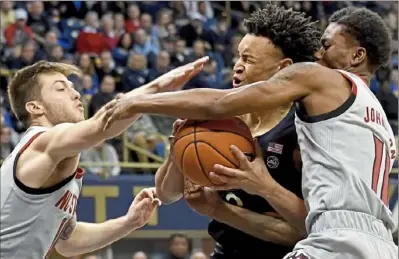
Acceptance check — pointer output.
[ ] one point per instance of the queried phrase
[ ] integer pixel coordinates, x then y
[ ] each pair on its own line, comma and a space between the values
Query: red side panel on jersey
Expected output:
377, 162
385, 183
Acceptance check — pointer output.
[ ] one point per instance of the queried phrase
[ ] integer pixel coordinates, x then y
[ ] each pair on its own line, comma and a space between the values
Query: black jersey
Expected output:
280, 150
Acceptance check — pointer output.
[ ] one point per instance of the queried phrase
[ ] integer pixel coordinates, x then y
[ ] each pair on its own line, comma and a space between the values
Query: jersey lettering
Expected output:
372, 115
379, 173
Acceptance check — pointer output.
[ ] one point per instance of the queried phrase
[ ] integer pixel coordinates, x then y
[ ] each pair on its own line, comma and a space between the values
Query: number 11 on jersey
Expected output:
381, 169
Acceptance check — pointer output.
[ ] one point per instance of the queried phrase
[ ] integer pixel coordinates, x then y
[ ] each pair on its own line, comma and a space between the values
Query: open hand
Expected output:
202, 200
252, 177
142, 208
178, 77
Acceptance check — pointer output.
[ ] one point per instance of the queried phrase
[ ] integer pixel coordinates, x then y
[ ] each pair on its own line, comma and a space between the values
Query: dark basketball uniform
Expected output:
279, 147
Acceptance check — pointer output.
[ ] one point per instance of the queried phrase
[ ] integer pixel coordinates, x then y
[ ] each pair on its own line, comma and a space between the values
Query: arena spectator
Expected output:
119, 22
140, 255
180, 56
178, 247
87, 89
27, 55
110, 37
144, 134
86, 65
133, 18
37, 20
164, 18
123, 48
195, 30
19, 32
5, 141
105, 94
56, 54
106, 66
136, 72
144, 45
104, 152
146, 24
7, 13
161, 67
89, 39
198, 255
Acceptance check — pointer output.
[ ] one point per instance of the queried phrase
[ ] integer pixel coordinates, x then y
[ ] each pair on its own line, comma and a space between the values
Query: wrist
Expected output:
127, 223
219, 212
269, 190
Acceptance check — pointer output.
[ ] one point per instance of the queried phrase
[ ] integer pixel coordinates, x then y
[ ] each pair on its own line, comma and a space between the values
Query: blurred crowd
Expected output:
179, 247
120, 46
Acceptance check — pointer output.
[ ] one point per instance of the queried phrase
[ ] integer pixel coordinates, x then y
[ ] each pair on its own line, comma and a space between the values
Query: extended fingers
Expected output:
240, 156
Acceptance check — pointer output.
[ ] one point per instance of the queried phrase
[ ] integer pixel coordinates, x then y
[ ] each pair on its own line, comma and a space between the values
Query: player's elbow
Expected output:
168, 196
65, 249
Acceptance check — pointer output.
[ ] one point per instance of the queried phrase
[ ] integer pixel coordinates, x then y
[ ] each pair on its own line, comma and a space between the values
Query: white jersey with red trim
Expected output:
32, 219
347, 156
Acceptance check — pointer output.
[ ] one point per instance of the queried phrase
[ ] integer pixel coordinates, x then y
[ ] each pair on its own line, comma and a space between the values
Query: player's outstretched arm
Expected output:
80, 238
290, 84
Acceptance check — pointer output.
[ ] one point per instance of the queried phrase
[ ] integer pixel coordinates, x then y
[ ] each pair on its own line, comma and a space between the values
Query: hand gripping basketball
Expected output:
252, 177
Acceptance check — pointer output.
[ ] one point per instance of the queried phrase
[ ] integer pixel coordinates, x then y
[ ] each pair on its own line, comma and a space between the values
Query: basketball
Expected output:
199, 145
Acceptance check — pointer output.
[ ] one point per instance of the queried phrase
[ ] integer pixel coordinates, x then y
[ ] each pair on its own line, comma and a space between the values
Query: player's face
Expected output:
259, 59
338, 48
61, 102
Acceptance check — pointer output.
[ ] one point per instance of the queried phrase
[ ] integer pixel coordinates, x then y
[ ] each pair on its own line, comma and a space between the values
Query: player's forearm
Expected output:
261, 226
199, 104
88, 237
169, 182
289, 206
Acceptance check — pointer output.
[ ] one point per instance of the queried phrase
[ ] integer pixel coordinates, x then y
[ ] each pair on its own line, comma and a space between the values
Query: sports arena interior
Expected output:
120, 46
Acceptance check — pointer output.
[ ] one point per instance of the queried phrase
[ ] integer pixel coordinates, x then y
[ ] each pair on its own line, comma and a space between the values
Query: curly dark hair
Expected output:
296, 35
369, 30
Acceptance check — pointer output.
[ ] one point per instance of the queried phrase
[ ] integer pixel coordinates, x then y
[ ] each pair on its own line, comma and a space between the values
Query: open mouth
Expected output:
236, 82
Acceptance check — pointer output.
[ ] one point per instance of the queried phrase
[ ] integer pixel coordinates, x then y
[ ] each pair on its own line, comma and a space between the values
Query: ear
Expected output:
34, 108
285, 63
358, 56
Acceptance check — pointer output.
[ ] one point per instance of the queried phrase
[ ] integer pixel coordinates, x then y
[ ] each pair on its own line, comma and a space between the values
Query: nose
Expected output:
238, 68
75, 94
319, 54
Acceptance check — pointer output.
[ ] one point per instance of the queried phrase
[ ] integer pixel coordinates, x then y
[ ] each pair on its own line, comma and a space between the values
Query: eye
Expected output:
61, 89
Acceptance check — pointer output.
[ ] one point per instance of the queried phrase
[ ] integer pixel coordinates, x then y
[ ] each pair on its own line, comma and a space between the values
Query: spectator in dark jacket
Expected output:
136, 72
105, 95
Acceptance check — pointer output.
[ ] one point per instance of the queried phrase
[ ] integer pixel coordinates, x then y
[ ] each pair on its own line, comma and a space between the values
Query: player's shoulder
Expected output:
311, 74
43, 137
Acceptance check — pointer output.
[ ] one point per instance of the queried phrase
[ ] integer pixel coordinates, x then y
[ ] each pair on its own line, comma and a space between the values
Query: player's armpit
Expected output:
169, 182
261, 226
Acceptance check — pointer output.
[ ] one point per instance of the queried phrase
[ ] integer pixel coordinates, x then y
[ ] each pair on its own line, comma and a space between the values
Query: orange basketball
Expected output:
199, 145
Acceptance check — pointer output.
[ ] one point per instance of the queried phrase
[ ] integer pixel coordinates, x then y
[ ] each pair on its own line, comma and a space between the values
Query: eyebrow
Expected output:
64, 83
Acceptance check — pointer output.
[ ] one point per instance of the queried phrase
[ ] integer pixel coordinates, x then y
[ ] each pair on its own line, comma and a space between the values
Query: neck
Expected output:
262, 122
41, 123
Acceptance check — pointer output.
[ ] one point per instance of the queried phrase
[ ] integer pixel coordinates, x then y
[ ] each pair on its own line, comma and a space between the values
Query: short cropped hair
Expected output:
25, 87
369, 30
296, 35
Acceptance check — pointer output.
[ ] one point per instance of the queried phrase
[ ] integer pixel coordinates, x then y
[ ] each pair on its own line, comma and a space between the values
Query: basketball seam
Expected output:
188, 134
182, 157
201, 141
198, 158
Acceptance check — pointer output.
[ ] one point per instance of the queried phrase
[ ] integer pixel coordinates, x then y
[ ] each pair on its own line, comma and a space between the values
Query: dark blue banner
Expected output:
103, 199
